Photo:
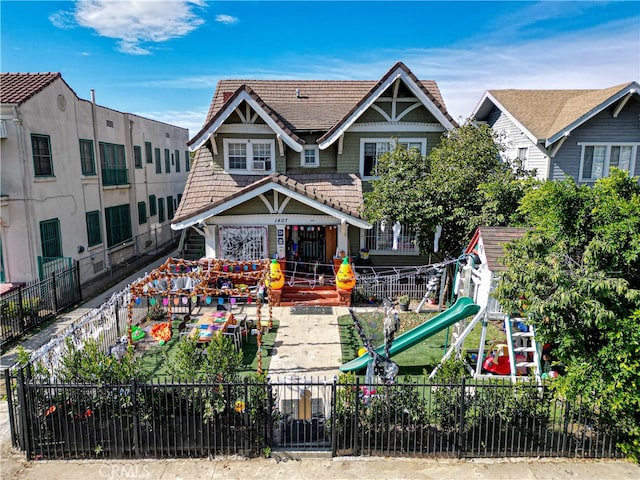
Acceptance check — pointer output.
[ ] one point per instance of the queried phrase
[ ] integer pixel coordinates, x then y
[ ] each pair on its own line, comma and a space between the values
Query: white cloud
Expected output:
134, 23
63, 19
227, 19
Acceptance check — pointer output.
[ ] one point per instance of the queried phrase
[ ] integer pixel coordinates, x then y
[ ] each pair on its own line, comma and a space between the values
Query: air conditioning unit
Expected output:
258, 165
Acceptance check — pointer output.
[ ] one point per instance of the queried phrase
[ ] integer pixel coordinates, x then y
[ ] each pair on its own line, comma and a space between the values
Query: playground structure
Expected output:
518, 355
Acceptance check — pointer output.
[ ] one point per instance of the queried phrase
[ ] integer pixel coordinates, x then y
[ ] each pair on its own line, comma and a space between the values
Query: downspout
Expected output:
103, 223
132, 183
26, 185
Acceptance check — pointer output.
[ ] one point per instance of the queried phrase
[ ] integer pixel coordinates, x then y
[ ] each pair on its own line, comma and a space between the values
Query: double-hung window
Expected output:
51, 238
158, 160
42, 163
167, 161
87, 158
371, 149
249, 156
148, 152
598, 158
310, 156
142, 213
137, 156
153, 206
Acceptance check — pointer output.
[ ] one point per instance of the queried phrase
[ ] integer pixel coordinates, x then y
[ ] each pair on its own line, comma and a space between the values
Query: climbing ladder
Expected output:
522, 340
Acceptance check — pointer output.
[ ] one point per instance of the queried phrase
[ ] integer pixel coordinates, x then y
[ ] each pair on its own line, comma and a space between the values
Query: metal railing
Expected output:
26, 307
199, 419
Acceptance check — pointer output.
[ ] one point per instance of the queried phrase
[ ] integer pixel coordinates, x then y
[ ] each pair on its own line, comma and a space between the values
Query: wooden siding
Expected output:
602, 128
514, 139
250, 207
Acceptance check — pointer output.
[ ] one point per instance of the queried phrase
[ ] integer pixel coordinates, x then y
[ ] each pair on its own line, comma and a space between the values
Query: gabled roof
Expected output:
434, 104
17, 88
493, 241
245, 93
299, 106
209, 193
548, 115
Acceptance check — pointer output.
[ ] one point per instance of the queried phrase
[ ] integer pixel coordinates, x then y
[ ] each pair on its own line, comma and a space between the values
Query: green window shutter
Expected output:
87, 158
42, 162
142, 213
187, 161
153, 207
50, 238
177, 154
94, 235
167, 161
170, 207
113, 164
158, 160
148, 152
161, 210
118, 224
137, 156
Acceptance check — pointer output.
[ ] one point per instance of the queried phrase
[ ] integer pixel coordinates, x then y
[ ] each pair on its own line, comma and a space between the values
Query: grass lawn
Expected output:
155, 358
423, 356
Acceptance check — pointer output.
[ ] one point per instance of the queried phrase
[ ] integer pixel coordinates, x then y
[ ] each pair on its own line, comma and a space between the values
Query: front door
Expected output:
306, 244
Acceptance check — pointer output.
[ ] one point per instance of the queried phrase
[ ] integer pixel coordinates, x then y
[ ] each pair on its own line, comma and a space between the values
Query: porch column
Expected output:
210, 240
343, 237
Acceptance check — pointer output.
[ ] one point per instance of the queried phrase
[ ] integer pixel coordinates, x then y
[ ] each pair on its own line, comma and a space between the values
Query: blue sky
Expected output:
162, 59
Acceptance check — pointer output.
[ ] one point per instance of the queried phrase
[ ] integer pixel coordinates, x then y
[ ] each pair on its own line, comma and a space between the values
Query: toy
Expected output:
275, 281
497, 361
345, 278
136, 333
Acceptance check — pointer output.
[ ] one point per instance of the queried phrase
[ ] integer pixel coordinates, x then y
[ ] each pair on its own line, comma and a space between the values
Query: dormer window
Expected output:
249, 156
310, 157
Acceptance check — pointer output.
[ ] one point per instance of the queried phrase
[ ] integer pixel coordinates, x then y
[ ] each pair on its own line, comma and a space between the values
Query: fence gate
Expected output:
302, 413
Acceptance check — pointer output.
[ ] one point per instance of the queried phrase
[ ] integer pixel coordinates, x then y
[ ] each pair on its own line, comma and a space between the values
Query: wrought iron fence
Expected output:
28, 306
250, 418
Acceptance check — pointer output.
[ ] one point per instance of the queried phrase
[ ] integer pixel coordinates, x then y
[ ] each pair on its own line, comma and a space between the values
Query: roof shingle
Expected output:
17, 88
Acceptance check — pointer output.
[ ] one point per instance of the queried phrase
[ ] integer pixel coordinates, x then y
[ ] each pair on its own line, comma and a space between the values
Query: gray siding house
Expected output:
568, 133
281, 165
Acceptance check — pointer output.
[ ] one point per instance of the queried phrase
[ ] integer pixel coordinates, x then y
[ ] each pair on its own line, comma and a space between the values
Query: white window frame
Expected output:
392, 143
402, 244
249, 142
525, 157
607, 158
316, 155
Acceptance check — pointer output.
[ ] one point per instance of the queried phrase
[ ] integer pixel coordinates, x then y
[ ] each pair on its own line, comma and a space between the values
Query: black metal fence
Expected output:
28, 306
201, 419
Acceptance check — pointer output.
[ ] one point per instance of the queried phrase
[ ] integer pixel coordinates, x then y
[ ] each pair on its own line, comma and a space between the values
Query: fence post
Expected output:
461, 420
24, 414
333, 424
20, 311
356, 420
55, 292
117, 315
136, 423
268, 432
77, 281
12, 420
246, 419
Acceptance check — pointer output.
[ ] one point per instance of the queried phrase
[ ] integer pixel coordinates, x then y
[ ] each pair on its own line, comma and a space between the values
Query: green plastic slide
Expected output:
463, 308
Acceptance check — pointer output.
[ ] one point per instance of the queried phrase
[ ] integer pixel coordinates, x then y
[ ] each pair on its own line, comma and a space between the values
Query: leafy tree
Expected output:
462, 184
577, 275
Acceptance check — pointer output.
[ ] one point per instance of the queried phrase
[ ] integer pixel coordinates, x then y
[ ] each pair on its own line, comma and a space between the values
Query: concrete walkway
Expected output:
307, 345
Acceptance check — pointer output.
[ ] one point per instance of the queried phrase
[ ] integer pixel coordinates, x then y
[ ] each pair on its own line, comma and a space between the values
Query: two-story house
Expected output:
281, 166
81, 182
567, 133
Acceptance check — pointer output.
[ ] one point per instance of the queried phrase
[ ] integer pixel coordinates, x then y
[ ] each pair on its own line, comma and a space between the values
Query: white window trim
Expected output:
249, 142
607, 157
316, 149
423, 150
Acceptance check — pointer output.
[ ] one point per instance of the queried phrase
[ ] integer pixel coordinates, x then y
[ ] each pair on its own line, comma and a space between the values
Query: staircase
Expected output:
326, 296
523, 341
193, 245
